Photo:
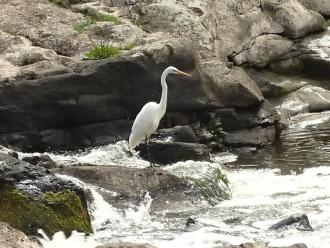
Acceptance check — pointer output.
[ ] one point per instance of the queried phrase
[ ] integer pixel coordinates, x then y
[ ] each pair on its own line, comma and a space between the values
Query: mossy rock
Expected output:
52, 212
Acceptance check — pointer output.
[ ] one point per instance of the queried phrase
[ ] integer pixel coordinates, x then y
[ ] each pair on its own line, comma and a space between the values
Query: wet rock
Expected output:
126, 245
300, 222
263, 245
171, 152
190, 221
10, 237
296, 20
41, 160
306, 99
177, 134
255, 137
241, 118
32, 198
131, 184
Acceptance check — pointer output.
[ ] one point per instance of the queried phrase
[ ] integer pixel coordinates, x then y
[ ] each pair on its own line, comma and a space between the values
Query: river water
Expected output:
292, 177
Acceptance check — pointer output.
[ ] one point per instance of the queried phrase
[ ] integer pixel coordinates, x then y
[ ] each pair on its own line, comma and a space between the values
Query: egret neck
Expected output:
163, 100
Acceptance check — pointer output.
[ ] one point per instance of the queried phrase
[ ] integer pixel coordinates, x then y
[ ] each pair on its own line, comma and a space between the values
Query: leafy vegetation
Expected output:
105, 51
214, 186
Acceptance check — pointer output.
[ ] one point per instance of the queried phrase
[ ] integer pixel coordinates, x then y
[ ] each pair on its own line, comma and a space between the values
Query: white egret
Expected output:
147, 120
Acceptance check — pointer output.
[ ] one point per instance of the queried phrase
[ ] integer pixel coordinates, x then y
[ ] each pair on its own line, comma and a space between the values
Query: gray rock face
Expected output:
263, 50
320, 6
300, 222
230, 87
10, 237
296, 20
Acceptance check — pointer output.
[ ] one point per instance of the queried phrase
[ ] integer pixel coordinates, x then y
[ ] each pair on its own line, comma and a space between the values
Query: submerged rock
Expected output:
33, 198
13, 238
263, 245
300, 222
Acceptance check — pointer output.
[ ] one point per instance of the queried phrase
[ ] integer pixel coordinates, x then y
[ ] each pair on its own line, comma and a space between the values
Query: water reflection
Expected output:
298, 148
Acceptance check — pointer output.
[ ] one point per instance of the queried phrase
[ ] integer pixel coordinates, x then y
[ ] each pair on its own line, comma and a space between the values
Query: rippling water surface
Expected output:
305, 144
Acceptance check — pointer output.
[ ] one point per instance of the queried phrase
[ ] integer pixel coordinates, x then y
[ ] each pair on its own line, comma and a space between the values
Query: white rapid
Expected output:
260, 198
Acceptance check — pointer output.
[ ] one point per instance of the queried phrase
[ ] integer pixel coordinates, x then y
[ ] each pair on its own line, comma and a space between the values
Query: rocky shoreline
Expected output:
255, 64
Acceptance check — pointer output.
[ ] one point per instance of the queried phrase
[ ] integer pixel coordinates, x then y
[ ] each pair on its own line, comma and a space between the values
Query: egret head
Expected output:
173, 70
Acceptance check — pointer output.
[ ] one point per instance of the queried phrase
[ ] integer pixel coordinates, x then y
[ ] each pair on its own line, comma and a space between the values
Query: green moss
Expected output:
52, 212
127, 47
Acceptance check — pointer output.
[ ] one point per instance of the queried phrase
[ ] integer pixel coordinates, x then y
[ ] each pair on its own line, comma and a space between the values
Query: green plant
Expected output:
103, 51
96, 16
214, 186
82, 26
128, 46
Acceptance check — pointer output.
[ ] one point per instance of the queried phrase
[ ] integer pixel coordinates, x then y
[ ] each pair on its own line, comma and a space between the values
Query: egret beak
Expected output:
178, 72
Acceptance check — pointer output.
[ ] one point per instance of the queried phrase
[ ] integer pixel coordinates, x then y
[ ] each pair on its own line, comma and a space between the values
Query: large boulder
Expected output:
230, 86
296, 20
131, 185
33, 198
263, 50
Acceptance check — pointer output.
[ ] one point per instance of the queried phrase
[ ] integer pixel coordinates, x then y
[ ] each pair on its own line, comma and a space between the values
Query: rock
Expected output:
230, 87
126, 245
255, 137
35, 119
320, 6
176, 134
10, 237
172, 152
296, 20
236, 119
306, 99
33, 198
262, 245
131, 184
41, 160
274, 85
263, 50
300, 222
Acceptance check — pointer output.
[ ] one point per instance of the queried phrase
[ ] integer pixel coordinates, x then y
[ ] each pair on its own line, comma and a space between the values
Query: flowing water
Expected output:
292, 177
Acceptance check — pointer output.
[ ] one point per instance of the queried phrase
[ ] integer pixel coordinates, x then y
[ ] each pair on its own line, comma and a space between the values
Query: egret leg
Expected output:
151, 160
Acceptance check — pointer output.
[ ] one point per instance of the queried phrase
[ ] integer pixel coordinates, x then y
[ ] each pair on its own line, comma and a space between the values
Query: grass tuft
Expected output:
96, 16
103, 52
214, 186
